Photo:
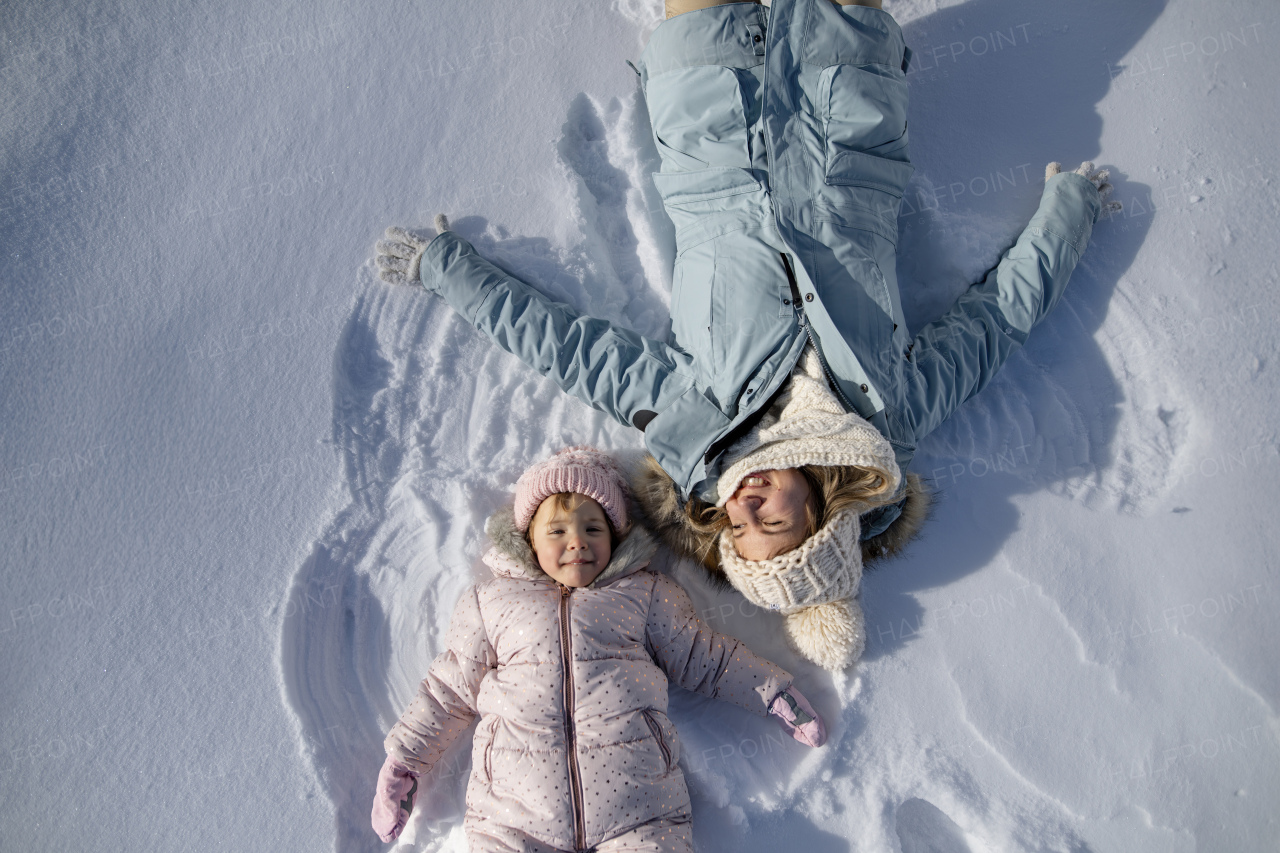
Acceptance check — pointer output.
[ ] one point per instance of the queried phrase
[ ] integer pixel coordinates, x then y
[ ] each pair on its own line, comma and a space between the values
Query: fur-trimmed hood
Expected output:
656, 495
915, 506
511, 555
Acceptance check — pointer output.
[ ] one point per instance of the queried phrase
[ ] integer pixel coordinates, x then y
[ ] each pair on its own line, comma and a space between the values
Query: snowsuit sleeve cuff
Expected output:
1068, 209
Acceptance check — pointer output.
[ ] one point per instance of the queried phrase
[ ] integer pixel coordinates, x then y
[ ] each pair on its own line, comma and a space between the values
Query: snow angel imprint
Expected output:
565, 656
783, 412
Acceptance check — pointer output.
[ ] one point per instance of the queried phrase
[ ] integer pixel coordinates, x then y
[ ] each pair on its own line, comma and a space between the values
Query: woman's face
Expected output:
768, 513
572, 546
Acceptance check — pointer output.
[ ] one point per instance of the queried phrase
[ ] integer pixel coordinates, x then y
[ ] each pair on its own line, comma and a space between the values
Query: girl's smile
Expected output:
572, 545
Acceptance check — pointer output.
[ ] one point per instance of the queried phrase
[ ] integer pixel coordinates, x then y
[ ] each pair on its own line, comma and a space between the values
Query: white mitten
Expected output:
832, 635
1096, 177
400, 253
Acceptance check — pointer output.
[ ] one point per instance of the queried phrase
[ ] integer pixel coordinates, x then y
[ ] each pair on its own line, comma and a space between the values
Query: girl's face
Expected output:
768, 513
572, 546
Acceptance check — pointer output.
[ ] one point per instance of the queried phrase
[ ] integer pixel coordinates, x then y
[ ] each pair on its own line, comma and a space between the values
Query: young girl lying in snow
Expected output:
565, 655
784, 410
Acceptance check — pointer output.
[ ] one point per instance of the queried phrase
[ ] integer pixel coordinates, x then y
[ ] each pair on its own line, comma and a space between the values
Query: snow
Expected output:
242, 482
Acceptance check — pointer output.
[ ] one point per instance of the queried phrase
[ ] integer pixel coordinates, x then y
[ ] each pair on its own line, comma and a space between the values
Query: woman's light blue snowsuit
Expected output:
783, 137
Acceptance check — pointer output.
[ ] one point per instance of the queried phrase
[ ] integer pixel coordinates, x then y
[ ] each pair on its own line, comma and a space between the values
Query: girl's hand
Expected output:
393, 801
1094, 176
400, 253
798, 717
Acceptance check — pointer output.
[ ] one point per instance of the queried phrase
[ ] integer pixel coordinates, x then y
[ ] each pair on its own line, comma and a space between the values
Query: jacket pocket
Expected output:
707, 207
699, 118
691, 301
656, 729
482, 753
863, 110
852, 261
708, 202
747, 326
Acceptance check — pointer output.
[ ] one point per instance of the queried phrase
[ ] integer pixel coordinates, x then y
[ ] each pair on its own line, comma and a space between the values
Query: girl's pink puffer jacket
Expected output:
574, 745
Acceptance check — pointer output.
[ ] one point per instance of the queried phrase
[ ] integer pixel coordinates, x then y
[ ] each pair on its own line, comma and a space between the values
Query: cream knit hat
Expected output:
807, 426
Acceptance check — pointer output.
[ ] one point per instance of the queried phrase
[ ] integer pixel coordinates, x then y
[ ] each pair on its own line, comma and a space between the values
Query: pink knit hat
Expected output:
580, 469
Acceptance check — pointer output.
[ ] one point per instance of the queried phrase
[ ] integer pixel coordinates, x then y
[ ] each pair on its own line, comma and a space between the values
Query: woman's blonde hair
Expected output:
831, 490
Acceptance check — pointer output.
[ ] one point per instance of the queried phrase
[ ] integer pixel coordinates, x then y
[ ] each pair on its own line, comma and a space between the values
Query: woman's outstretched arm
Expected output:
608, 367
955, 356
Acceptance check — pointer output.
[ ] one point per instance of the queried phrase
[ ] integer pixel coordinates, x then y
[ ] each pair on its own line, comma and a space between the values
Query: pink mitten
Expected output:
393, 801
798, 717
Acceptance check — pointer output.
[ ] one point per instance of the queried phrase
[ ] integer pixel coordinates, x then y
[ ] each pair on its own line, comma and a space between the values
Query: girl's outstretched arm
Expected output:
705, 661
444, 707
446, 700
717, 665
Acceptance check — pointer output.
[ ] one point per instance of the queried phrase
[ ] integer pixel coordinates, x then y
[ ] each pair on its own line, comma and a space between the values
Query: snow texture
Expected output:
242, 481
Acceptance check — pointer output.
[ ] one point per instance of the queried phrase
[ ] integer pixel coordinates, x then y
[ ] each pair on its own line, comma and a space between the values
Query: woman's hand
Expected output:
400, 253
1094, 176
393, 800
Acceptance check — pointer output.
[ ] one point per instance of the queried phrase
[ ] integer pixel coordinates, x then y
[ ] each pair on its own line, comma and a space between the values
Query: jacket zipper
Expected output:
795, 288
571, 736
808, 330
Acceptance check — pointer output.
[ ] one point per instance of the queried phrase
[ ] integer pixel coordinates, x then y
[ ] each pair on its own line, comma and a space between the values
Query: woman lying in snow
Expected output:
565, 656
789, 399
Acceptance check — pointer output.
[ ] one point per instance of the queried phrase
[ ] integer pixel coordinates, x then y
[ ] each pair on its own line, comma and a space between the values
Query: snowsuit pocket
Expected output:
656, 728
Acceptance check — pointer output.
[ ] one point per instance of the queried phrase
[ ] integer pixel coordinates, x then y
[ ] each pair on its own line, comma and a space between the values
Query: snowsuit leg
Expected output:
848, 66
485, 835
702, 84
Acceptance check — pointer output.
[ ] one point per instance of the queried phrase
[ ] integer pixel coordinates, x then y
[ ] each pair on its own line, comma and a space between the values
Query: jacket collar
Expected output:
511, 555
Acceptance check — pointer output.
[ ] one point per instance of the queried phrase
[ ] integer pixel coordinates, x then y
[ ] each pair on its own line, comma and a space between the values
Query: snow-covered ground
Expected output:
242, 482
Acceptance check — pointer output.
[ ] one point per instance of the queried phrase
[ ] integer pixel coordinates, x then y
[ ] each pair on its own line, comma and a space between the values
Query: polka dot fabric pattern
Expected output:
574, 747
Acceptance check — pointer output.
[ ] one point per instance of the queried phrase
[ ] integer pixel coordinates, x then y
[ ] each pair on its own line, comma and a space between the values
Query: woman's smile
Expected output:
767, 513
